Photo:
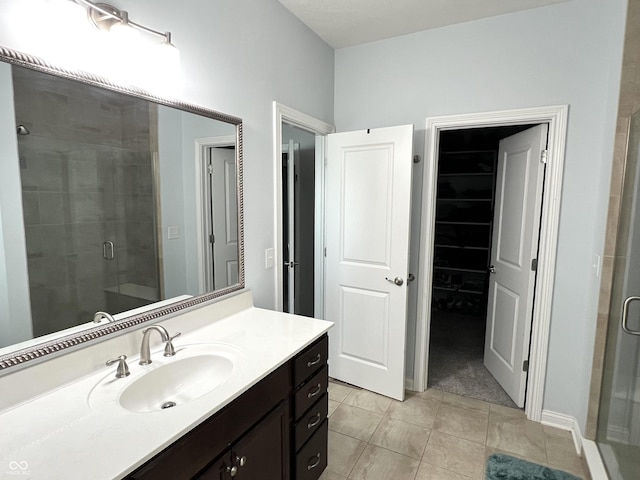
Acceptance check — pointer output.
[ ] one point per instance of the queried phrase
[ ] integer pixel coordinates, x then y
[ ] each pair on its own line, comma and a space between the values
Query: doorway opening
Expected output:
298, 214
299, 143
555, 117
465, 212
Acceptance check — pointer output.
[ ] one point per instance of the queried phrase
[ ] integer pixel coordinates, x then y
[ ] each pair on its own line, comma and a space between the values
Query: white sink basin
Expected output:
168, 382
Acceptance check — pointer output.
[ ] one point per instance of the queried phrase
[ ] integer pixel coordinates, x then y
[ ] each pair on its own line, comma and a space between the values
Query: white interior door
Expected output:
514, 246
368, 193
225, 220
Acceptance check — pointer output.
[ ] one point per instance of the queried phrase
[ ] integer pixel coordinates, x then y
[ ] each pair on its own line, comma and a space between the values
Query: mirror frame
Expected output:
40, 351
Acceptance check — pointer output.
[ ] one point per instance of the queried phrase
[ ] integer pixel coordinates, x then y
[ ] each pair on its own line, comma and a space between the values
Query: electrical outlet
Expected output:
269, 256
173, 233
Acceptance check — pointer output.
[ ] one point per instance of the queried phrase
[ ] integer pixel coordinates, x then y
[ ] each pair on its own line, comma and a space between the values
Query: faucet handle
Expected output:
123, 369
169, 350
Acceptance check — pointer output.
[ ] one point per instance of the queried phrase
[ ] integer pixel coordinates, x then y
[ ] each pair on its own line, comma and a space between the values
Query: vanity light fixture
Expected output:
108, 18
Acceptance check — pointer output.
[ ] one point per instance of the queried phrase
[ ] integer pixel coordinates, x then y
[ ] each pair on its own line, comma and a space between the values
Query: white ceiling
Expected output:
344, 23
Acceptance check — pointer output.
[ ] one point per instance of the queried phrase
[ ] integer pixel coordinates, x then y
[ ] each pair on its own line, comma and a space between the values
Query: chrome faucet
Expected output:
169, 350
100, 315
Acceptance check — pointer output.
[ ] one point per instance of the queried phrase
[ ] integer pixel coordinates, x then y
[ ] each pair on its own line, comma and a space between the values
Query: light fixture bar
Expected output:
121, 16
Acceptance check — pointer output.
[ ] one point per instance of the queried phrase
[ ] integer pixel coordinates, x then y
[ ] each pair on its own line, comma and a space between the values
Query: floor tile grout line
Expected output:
420, 461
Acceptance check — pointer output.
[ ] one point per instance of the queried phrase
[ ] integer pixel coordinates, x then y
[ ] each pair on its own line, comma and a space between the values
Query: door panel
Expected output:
512, 223
225, 219
368, 345
516, 228
368, 207
502, 337
366, 231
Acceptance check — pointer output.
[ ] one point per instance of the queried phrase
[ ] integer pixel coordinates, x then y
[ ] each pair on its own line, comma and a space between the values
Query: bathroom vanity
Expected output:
275, 430
264, 418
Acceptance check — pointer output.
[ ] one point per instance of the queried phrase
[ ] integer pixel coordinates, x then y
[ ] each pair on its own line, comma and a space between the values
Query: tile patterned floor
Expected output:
433, 436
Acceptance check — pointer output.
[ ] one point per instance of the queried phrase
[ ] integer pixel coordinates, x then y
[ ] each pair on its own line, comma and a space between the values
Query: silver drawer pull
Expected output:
314, 422
315, 361
314, 391
313, 461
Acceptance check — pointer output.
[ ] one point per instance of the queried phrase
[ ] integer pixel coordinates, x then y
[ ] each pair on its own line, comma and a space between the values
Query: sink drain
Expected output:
168, 405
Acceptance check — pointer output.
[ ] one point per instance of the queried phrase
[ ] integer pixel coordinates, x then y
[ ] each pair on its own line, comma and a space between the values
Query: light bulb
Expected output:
123, 32
168, 52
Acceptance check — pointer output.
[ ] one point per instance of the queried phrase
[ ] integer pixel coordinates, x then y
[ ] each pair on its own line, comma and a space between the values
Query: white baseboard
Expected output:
408, 384
564, 422
594, 460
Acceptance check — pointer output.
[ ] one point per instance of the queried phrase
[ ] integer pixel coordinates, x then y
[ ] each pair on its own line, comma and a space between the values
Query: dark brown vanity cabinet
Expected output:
276, 430
310, 406
260, 454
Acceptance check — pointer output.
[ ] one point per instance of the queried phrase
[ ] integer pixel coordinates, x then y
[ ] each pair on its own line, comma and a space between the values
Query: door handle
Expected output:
492, 269
108, 251
625, 316
398, 281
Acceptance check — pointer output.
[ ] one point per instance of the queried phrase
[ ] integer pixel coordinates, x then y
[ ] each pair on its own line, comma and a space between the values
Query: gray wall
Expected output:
563, 54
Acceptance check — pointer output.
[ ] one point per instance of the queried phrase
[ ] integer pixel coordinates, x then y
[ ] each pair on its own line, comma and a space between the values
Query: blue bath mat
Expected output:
504, 467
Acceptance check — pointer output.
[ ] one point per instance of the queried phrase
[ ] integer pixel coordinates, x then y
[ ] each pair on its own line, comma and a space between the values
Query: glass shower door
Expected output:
618, 435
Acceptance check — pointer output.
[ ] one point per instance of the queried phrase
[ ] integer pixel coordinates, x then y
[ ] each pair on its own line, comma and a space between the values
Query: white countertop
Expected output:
60, 436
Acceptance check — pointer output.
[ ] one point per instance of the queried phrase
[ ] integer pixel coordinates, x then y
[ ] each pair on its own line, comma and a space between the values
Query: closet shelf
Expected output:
459, 290
461, 247
444, 222
478, 174
456, 269
465, 199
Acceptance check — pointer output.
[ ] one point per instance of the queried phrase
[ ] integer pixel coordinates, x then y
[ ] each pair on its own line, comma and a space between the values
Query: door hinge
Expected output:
325, 251
534, 265
543, 156
210, 169
212, 238
525, 366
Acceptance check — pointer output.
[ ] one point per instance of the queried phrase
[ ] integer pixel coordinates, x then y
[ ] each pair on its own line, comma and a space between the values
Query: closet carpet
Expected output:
456, 358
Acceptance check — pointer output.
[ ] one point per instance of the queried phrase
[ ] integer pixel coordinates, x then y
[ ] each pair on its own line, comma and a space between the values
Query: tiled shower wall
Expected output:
86, 178
628, 104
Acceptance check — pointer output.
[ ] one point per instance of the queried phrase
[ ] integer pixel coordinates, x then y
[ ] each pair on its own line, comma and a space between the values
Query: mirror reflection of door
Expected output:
223, 221
298, 226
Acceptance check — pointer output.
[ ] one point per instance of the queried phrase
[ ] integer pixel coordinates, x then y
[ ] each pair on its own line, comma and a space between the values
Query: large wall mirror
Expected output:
111, 200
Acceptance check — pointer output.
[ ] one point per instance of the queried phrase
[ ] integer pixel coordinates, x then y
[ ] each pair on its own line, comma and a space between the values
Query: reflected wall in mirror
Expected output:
111, 202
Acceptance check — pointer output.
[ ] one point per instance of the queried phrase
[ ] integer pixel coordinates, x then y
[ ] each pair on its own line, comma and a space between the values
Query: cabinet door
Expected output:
263, 453
221, 469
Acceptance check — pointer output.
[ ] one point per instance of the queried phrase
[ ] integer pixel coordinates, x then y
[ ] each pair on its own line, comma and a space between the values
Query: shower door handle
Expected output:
108, 251
625, 315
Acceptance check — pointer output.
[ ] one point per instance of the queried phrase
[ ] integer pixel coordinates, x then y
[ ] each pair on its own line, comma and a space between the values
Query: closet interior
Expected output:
467, 164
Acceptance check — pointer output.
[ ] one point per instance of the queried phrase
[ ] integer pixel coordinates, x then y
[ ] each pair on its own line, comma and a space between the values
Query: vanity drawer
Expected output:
311, 392
311, 421
312, 459
310, 360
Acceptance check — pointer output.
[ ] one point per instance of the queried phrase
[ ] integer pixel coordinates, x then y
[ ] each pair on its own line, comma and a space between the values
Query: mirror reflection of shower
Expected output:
88, 196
